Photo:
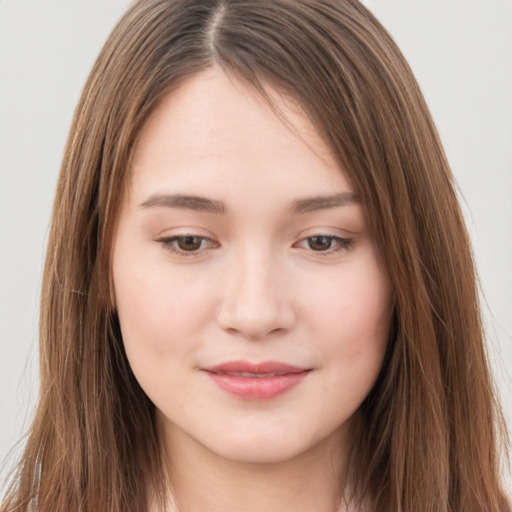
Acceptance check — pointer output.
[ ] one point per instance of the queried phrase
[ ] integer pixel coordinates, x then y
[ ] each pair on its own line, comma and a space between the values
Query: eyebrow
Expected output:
203, 204
324, 202
185, 202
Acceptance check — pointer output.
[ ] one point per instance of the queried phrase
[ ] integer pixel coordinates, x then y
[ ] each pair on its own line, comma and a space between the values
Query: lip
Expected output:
256, 381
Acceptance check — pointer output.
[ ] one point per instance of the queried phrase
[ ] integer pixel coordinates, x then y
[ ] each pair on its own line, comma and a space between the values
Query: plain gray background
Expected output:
460, 51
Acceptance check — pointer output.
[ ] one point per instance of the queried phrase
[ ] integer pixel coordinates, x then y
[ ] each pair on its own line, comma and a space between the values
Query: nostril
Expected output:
255, 324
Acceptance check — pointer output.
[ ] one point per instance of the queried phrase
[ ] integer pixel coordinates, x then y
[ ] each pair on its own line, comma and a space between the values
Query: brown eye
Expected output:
320, 243
189, 243
325, 245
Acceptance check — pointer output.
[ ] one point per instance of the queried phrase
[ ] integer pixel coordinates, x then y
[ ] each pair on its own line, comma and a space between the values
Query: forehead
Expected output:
215, 131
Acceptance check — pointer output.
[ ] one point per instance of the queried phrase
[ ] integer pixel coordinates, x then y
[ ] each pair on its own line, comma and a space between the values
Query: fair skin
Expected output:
271, 262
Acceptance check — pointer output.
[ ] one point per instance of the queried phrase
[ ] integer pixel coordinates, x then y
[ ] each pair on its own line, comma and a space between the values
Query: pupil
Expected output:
320, 243
189, 243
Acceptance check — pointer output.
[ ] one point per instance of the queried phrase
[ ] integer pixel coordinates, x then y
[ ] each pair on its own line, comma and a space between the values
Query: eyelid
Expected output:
337, 243
168, 243
343, 244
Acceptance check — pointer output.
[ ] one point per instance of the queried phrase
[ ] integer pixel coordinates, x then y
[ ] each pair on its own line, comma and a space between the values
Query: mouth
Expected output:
262, 381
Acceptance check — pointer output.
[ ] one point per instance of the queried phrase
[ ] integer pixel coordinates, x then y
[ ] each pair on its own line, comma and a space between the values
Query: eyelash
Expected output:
342, 244
169, 244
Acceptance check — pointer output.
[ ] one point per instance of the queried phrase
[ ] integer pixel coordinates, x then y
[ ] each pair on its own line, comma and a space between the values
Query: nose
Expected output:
256, 299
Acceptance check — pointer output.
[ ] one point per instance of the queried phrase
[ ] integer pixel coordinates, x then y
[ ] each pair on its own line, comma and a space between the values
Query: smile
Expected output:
262, 381
251, 375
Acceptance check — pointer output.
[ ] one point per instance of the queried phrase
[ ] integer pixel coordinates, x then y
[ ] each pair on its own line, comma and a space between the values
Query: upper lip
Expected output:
270, 368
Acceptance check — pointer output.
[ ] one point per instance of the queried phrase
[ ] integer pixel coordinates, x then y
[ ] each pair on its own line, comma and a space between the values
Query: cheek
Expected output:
160, 326
354, 318
357, 306
160, 314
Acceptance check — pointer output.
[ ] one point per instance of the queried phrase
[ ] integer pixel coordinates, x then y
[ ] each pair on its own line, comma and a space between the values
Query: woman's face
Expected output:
253, 307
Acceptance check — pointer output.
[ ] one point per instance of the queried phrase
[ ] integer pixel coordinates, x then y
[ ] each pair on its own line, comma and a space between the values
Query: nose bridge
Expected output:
256, 300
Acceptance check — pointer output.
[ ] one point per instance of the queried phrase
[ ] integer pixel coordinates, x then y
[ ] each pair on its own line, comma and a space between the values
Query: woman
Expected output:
259, 292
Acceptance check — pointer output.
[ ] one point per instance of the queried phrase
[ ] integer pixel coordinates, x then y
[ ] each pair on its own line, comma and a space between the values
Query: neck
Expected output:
202, 480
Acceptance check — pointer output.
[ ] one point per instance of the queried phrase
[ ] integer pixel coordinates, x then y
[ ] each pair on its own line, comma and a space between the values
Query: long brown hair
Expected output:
430, 428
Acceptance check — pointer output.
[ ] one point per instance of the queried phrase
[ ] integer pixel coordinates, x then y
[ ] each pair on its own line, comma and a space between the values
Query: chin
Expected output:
267, 447
261, 452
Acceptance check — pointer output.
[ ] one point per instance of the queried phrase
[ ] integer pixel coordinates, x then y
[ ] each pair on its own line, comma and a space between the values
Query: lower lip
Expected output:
257, 388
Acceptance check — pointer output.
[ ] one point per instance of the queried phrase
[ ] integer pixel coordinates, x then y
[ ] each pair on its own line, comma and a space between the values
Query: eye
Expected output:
320, 243
186, 245
325, 243
189, 243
